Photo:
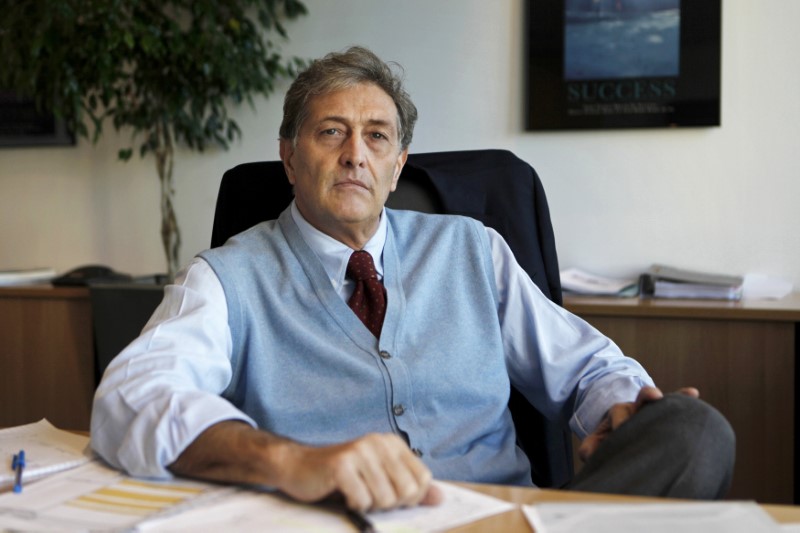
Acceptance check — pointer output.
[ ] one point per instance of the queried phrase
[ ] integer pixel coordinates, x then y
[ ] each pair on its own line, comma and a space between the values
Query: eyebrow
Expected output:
371, 122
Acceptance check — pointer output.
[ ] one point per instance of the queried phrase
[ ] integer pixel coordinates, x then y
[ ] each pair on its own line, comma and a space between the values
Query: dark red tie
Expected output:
368, 301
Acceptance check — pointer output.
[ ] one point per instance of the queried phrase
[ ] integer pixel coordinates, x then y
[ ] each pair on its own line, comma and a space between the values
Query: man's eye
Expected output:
377, 136
330, 131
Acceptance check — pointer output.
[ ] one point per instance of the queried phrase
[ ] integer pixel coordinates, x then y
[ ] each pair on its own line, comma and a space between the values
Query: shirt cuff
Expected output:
603, 395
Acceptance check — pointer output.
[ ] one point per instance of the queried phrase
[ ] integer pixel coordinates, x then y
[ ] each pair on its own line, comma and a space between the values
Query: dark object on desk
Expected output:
88, 274
493, 186
119, 312
360, 521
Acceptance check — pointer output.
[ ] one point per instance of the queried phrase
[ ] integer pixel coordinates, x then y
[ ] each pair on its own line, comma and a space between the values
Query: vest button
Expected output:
398, 409
386, 355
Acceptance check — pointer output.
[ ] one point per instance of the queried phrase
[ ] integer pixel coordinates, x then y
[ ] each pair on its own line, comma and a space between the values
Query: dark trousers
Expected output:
677, 447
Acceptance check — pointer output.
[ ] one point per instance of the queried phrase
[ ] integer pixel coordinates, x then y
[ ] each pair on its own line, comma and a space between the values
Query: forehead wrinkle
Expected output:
345, 120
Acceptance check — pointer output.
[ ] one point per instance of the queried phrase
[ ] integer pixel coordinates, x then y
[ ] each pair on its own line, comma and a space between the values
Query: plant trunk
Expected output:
170, 233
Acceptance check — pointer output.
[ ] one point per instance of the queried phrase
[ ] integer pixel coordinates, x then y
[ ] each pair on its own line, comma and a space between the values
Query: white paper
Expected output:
250, 511
581, 282
47, 450
693, 517
763, 287
460, 506
26, 277
94, 497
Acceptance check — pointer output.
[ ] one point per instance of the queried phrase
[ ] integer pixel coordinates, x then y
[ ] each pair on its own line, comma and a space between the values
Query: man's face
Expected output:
346, 161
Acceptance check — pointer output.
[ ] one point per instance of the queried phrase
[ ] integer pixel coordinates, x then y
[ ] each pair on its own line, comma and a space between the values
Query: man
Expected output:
255, 370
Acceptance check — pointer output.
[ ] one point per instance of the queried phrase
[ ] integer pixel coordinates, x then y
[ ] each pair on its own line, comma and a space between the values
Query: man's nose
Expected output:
354, 152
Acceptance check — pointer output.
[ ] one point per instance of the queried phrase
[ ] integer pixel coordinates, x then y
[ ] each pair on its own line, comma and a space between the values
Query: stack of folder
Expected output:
669, 282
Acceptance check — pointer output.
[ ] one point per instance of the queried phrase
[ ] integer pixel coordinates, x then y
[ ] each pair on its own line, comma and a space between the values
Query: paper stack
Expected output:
578, 281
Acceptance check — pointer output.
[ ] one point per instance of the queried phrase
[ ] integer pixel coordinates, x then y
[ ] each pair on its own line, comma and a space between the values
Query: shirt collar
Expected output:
333, 254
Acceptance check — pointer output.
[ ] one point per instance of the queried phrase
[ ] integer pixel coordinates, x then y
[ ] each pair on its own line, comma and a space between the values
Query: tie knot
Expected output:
361, 267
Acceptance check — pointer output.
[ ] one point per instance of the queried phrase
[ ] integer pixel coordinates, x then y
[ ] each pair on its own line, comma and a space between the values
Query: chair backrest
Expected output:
119, 312
493, 186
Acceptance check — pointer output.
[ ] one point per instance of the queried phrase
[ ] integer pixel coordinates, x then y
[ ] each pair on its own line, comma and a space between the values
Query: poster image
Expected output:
22, 124
622, 63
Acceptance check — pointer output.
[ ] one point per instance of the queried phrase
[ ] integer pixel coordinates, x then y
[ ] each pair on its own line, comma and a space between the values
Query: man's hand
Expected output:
620, 413
377, 471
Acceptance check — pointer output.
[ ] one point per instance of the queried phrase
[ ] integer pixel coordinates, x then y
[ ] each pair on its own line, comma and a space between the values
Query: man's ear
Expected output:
398, 168
286, 148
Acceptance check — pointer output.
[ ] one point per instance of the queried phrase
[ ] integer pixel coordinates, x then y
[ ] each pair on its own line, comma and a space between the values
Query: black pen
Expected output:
361, 522
18, 464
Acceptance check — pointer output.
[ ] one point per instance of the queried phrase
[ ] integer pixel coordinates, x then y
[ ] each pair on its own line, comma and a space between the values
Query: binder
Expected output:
662, 281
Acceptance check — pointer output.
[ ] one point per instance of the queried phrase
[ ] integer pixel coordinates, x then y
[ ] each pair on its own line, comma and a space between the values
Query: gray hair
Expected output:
341, 70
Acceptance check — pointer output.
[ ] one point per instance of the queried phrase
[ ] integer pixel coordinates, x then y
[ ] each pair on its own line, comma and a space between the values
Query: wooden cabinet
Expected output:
46, 356
741, 355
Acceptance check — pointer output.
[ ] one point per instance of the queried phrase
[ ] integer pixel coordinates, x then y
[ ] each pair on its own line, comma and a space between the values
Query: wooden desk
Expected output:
46, 356
515, 522
741, 355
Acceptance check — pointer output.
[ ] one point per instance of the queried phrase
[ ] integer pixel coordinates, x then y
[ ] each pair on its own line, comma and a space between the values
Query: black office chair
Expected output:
119, 313
493, 186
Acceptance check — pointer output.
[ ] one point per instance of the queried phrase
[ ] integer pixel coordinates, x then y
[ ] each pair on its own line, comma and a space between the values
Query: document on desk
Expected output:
94, 497
690, 517
251, 511
47, 450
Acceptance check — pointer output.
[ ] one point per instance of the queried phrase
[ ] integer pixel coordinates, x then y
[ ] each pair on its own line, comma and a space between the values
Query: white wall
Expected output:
721, 199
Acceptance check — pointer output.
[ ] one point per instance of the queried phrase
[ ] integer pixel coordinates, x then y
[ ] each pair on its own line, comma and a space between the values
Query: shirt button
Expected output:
417, 452
385, 354
398, 409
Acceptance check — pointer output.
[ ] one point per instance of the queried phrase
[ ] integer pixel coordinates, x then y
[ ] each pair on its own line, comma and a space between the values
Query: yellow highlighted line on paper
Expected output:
162, 486
109, 507
139, 496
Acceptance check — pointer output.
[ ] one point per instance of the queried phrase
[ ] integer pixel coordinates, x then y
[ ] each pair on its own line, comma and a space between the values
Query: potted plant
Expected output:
166, 71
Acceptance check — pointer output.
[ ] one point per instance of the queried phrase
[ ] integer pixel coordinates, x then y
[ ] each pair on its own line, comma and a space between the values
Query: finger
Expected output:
379, 470
408, 475
416, 488
593, 440
692, 392
352, 487
434, 495
589, 446
620, 413
648, 394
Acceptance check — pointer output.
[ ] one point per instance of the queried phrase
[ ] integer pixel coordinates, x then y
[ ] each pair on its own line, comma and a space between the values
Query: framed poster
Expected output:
21, 124
595, 64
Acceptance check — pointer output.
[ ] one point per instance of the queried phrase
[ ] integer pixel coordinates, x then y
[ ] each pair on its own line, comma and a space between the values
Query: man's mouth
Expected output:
351, 183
